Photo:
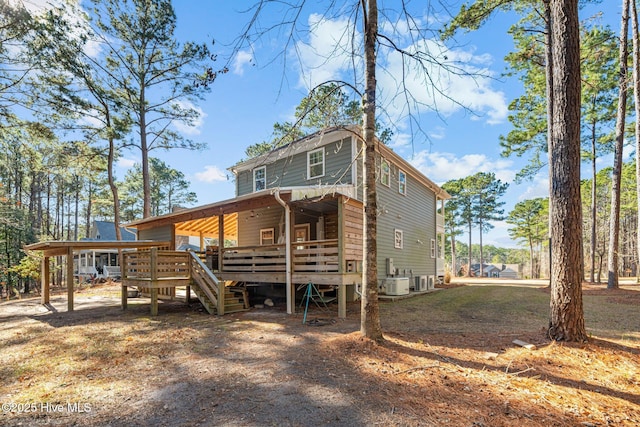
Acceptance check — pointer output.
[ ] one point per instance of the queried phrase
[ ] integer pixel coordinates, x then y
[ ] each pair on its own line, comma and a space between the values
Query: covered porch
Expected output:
69, 248
286, 237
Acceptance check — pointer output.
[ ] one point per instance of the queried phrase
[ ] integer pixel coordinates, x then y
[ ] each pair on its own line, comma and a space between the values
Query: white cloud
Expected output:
74, 13
126, 163
442, 167
326, 55
211, 174
465, 82
195, 127
401, 140
242, 59
539, 187
438, 132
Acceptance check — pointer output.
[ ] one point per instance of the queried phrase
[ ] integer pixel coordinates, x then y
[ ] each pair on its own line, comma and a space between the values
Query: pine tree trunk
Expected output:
614, 222
87, 216
144, 148
114, 189
481, 253
566, 318
636, 98
454, 261
370, 314
469, 260
594, 204
549, 93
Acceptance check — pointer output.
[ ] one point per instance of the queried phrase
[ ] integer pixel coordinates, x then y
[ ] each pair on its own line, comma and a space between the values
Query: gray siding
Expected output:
414, 214
249, 227
159, 233
292, 170
249, 231
359, 165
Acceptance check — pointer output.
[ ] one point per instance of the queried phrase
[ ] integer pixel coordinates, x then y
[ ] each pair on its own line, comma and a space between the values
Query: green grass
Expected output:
504, 309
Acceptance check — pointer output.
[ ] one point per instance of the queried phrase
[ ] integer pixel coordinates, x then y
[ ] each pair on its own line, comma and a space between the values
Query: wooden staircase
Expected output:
208, 289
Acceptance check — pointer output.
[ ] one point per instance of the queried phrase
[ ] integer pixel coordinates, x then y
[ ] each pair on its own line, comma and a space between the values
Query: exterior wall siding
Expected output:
164, 233
249, 226
413, 214
291, 171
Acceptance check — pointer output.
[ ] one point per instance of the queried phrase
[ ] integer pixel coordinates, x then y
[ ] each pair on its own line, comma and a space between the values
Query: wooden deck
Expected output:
159, 272
315, 261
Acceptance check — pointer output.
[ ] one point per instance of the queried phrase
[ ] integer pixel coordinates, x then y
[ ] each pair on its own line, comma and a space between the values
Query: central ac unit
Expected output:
397, 285
431, 284
420, 283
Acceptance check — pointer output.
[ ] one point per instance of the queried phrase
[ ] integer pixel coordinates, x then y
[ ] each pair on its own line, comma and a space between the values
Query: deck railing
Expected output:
159, 272
317, 256
320, 256
440, 223
254, 258
165, 266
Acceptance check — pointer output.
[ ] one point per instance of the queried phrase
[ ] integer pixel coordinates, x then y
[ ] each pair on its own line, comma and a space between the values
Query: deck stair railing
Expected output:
214, 294
208, 288
159, 272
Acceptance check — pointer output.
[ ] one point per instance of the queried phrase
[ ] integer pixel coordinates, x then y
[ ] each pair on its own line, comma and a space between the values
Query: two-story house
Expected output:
297, 218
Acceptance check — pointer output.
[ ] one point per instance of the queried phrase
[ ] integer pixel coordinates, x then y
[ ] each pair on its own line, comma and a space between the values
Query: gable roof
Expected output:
309, 142
321, 138
106, 230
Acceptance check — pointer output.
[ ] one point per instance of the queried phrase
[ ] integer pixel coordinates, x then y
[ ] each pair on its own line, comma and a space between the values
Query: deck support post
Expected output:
221, 230
124, 294
342, 263
69, 278
153, 268
44, 280
342, 301
124, 289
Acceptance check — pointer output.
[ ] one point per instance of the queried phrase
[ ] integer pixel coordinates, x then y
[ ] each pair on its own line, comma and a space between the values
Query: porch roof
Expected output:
203, 220
55, 248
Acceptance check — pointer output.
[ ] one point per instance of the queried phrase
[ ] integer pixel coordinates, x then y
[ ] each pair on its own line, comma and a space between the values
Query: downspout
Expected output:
287, 233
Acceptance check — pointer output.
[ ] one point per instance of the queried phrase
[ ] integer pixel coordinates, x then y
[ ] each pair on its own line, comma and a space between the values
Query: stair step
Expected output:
234, 308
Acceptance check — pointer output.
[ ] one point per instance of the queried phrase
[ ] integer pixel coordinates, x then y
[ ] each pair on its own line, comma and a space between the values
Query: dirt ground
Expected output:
448, 359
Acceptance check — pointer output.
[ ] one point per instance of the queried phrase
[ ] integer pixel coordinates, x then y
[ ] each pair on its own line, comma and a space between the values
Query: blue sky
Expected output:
261, 89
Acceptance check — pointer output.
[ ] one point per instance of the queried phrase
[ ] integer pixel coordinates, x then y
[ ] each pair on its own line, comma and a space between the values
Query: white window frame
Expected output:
398, 239
310, 166
402, 182
264, 236
263, 179
433, 248
385, 174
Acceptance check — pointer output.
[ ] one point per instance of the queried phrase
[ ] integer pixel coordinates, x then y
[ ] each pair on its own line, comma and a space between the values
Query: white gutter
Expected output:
287, 233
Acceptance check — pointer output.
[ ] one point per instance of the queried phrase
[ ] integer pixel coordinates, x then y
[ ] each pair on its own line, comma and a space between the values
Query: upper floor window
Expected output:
385, 173
259, 178
402, 182
315, 163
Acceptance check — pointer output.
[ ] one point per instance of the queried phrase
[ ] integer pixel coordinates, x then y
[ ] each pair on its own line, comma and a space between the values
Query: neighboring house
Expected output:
510, 273
298, 218
503, 271
91, 264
